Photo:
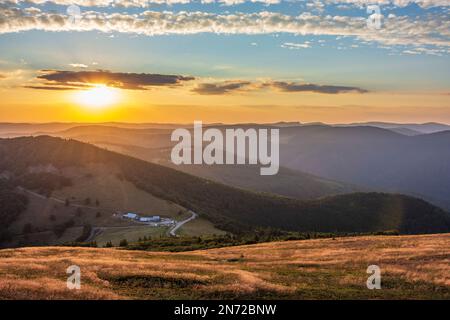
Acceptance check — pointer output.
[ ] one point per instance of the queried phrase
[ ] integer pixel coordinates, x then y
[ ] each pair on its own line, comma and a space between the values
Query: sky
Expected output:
333, 61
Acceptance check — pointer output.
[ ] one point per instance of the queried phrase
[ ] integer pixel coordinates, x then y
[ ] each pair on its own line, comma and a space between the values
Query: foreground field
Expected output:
412, 267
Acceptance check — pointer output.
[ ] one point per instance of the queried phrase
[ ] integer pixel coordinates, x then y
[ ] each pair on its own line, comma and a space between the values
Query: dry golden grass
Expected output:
413, 267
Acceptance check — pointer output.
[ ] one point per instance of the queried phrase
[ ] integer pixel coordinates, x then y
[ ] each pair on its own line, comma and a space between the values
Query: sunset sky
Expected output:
224, 61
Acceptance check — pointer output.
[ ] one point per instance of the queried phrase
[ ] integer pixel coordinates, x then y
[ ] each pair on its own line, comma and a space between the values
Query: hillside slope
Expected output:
229, 208
373, 157
412, 267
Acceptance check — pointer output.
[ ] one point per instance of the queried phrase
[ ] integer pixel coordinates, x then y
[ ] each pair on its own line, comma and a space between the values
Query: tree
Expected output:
123, 243
98, 215
109, 244
52, 217
97, 203
67, 203
87, 201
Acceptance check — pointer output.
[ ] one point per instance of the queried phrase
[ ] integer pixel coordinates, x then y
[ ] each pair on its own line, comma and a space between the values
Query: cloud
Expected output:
147, 3
219, 88
296, 46
420, 50
432, 30
139, 3
397, 3
227, 87
78, 65
68, 80
2, 76
309, 87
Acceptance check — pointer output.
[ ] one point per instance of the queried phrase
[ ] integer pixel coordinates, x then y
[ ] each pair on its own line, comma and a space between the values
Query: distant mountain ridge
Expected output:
424, 128
43, 128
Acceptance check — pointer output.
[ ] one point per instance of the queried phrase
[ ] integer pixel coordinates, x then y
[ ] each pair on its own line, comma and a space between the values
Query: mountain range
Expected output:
316, 160
229, 208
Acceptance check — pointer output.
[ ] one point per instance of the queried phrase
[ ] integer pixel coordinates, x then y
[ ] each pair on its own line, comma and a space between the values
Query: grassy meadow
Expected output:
412, 267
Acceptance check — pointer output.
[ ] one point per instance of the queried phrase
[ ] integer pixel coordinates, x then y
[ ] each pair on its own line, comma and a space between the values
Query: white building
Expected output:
130, 215
150, 219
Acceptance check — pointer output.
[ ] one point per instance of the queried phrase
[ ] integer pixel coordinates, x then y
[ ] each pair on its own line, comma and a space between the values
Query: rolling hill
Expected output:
413, 267
373, 157
229, 208
316, 160
154, 145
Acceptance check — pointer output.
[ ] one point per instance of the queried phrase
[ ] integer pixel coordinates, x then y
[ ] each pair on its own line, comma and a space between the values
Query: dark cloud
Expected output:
221, 87
308, 87
67, 80
218, 88
71, 80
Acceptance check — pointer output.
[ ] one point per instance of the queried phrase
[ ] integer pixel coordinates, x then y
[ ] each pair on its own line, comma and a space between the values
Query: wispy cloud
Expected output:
147, 3
296, 46
78, 65
431, 30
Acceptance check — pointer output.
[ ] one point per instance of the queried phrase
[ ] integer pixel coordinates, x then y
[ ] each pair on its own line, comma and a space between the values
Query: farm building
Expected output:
150, 219
130, 215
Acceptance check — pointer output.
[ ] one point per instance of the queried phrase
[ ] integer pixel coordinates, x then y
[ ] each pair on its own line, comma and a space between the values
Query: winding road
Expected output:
181, 223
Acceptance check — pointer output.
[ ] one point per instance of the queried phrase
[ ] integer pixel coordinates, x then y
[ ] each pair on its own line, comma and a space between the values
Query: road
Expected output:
181, 223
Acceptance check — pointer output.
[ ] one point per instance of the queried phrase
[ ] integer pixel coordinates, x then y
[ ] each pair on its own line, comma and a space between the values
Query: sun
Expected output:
98, 97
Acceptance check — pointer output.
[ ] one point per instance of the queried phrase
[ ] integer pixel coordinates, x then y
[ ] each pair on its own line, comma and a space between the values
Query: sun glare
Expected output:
98, 97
